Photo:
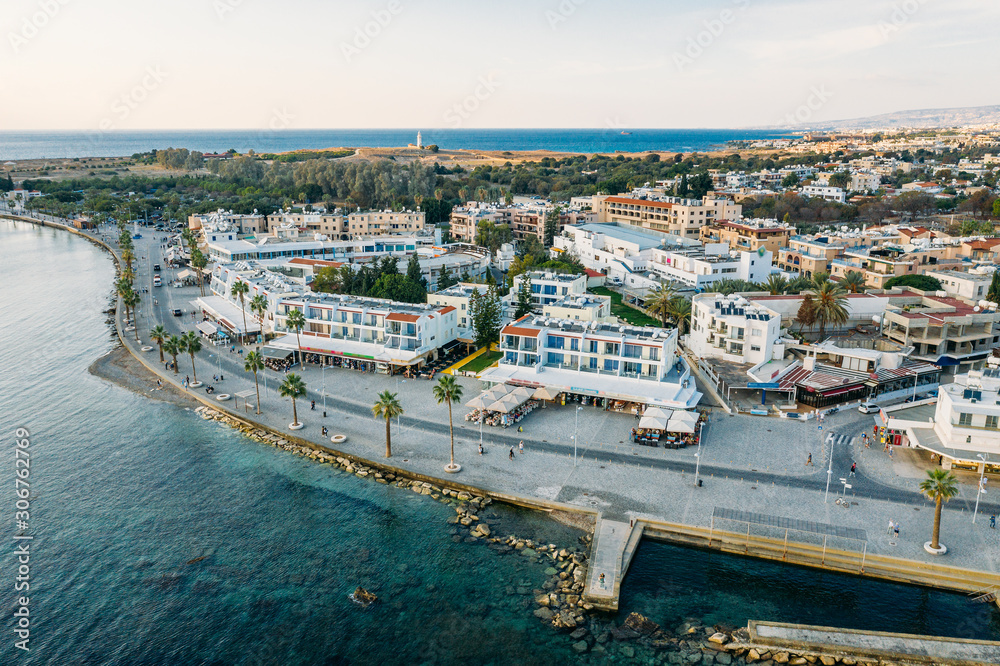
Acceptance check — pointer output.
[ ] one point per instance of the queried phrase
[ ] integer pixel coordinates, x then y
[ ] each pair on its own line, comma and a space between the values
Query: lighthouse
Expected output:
420, 141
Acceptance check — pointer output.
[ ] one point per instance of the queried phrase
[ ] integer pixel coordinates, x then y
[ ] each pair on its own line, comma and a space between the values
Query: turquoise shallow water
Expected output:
127, 492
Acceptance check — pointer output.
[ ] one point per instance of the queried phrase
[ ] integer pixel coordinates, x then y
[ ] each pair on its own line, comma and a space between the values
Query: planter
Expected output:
223, 397
147, 348
296, 426
196, 384
453, 468
941, 550
338, 439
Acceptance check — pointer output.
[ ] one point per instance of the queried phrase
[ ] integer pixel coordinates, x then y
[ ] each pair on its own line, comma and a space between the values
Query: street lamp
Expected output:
980, 490
576, 430
829, 470
697, 455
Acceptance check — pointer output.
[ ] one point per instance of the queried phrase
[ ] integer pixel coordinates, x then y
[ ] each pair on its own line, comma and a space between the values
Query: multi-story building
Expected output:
394, 336
346, 226
865, 181
286, 242
581, 307
228, 221
829, 193
881, 264
606, 362
971, 285
734, 329
950, 332
459, 296
699, 268
228, 311
615, 250
671, 215
465, 220
548, 288
525, 218
748, 234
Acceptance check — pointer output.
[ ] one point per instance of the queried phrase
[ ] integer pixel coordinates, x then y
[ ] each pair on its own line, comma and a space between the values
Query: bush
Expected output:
922, 282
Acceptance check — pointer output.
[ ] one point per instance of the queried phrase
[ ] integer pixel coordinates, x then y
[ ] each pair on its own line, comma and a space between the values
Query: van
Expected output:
156, 281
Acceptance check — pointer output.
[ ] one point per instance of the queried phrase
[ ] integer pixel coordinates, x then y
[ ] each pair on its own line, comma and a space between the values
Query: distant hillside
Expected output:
921, 119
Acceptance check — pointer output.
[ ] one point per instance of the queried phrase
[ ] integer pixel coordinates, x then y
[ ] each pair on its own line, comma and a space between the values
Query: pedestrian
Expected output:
221, 378
809, 460
602, 581
891, 525
895, 530
480, 449
215, 378
993, 522
854, 468
520, 447
312, 405
187, 379
512, 453
520, 428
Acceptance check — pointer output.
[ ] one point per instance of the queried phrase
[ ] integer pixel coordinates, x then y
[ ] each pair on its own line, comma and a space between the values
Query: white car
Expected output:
868, 408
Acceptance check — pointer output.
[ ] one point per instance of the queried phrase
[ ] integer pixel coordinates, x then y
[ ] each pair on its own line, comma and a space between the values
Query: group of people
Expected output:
500, 419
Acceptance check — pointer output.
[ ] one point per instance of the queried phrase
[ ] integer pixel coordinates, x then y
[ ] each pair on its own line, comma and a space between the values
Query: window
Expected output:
965, 419
574, 344
557, 343
610, 365
754, 348
991, 422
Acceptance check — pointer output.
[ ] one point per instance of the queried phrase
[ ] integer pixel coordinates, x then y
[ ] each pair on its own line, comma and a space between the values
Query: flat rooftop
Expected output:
644, 241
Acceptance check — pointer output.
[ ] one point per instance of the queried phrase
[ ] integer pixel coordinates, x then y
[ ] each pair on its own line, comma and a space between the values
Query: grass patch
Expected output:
626, 312
480, 363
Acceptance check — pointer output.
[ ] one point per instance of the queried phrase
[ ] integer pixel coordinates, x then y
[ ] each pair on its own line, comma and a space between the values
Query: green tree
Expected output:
293, 387
775, 284
806, 315
993, 293
254, 363
551, 227
239, 290
791, 180
922, 282
798, 284
524, 304
296, 321
387, 407
853, 282
192, 345
414, 273
486, 314
658, 303
450, 391
446, 279
199, 261
158, 334
131, 300
841, 179
258, 305
939, 486
680, 313
829, 306
399, 288
173, 346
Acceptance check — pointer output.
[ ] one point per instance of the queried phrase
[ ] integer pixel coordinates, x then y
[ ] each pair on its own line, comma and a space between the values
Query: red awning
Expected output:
841, 391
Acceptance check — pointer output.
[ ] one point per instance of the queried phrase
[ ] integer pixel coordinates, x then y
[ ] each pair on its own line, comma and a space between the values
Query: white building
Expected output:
287, 242
615, 250
973, 285
458, 296
701, 267
602, 361
732, 329
548, 288
829, 193
864, 181
581, 307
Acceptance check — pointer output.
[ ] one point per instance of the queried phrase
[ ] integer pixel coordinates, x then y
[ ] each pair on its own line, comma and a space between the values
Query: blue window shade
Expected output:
610, 365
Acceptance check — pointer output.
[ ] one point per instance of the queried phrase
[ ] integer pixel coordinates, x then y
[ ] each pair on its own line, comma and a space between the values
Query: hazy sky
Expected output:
297, 64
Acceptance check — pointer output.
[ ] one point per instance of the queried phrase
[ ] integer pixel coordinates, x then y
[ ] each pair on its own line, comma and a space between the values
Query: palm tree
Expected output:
798, 285
658, 302
173, 346
387, 407
775, 284
198, 262
829, 305
240, 289
821, 278
254, 363
192, 345
131, 300
448, 390
853, 282
258, 305
940, 486
128, 256
293, 387
297, 321
158, 334
680, 313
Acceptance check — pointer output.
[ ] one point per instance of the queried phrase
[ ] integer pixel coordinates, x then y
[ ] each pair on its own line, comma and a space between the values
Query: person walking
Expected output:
520, 447
512, 453
312, 405
602, 581
854, 468
895, 530
809, 460
993, 521
480, 449
891, 525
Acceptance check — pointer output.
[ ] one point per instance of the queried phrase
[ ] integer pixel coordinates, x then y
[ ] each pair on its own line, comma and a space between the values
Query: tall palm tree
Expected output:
293, 387
798, 285
158, 334
853, 282
388, 408
658, 303
829, 305
258, 305
254, 363
448, 390
192, 345
297, 321
680, 313
173, 346
775, 284
240, 289
940, 486
128, 256
131, 300
821, 278
198, 262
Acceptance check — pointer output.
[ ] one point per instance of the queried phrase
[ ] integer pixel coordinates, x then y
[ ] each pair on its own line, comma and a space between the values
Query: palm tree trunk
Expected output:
451, 429
298, 344
295, 413
193, 371
160, 345
936, 536
388, 438
256, 386
176, 369
244, 310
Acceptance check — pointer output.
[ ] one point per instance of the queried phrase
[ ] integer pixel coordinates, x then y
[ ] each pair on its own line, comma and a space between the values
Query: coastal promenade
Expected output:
748, 463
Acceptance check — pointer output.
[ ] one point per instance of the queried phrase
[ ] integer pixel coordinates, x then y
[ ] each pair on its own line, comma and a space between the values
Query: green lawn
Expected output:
480, 363
626, 312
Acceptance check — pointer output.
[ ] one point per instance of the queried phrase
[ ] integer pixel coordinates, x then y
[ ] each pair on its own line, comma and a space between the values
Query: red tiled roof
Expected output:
591, 273
302, 261
447, 309
398, 316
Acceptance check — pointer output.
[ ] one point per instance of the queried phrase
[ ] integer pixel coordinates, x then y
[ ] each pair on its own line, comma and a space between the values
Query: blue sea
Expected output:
160, 538
47, 144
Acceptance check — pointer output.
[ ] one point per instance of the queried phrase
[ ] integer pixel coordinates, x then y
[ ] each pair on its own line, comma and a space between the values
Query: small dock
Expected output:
615, 542
869, 645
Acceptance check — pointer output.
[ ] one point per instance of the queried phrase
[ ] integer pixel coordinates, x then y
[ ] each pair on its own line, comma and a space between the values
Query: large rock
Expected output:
780, 658
827, 661
544, 614
628, 651
542, 600
624, 633
719, 638
578, 633
641, 624
580, 646
723, 658
482, 529
753, 655
798, 661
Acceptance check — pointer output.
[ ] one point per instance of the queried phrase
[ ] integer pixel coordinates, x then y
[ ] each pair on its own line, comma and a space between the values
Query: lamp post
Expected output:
697, 455
576, 430
322, 373
914, 385
829, 471
979, 490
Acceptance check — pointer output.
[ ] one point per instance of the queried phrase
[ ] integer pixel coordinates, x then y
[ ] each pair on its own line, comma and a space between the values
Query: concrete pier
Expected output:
615, 542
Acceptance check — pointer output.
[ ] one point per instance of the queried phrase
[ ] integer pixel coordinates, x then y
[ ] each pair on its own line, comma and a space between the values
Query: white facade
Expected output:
828, 193
458, 297
966, 420
548, 288
700, 268
973, 286
585, 307
732, 329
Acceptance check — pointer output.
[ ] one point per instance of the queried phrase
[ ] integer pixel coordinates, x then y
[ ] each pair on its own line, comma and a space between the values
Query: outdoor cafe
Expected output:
502, 405
674, 428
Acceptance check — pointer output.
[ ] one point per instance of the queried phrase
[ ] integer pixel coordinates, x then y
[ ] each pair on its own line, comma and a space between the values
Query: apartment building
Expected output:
346, 226
287, 242
548, 288
459, 297
525, 219
701, 267
671, 215
581, 307
836, 194
392, 335
605, 362
750, 235
972, 285
734, 329
881, 264
618, 251
952, 333
227, 221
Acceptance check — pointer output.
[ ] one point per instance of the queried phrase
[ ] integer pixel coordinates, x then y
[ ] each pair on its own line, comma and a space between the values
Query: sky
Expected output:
302, 64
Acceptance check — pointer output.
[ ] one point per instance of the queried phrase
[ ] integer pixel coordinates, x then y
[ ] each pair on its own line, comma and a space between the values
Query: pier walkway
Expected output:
908, 648
615, 542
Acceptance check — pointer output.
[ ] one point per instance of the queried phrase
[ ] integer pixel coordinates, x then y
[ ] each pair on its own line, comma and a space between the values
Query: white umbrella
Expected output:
504, 404
497, 391
652, 423
657, 412
521, 393
679, 425
545, 393
688, 417
480, 401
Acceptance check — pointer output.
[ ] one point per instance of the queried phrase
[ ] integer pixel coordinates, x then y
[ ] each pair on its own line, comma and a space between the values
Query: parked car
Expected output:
177, 312
868, 408
156, 267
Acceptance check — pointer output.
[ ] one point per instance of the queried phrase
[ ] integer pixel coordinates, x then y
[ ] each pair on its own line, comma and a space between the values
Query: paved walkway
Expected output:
610, 537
